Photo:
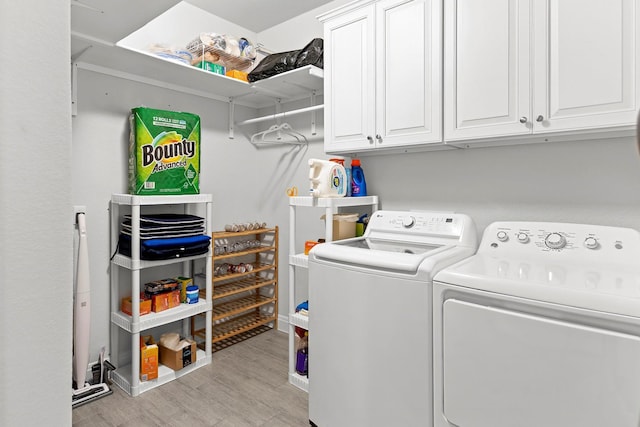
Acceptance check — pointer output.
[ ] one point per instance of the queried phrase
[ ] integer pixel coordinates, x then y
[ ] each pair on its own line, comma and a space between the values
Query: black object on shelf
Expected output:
277, 63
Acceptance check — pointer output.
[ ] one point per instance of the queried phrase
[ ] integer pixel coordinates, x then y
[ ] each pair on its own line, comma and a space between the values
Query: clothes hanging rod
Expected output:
280, 115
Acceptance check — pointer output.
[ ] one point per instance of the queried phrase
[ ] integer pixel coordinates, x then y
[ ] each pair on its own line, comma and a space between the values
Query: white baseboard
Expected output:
283, 323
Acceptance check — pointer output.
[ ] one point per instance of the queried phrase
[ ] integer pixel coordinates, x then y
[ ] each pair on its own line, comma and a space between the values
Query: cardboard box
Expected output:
164, 152
344, 226
145, 305
308, 245
148, 358
165, 301
177, 360
240, 75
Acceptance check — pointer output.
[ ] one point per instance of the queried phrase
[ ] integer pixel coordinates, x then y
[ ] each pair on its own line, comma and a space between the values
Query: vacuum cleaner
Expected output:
84, 392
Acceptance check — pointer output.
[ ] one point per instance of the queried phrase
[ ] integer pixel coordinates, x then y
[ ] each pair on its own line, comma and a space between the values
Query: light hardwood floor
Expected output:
246, 385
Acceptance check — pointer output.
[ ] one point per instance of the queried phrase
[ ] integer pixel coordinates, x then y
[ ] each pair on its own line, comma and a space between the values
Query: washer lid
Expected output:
377, 254
607, 288
388, 246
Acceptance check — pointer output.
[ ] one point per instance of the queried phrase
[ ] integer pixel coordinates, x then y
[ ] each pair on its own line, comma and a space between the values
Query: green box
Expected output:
210, 66
164, 152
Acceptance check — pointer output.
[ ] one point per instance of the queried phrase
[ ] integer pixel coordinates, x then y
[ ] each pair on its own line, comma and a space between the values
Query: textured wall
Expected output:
36, 217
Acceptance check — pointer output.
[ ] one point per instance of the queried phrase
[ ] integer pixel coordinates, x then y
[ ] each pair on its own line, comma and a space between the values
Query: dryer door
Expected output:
504, 368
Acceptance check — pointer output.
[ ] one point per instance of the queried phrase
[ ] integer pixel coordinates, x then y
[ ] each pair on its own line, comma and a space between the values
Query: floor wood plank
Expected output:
246, 385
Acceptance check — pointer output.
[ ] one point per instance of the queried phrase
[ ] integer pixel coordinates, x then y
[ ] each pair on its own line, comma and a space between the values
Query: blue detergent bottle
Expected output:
358, 183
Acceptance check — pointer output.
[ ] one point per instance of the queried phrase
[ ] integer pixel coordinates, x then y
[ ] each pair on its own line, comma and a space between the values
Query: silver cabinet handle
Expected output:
539, 118
523, 119
369, 139
379, 138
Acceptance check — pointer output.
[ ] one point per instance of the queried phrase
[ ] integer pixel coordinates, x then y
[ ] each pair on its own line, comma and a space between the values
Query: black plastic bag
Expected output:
278, 63
311, 54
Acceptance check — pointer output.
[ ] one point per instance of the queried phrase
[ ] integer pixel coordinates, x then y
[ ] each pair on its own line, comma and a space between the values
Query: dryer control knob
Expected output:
591, 243
555, 241
502, 236
408, 221
523, 237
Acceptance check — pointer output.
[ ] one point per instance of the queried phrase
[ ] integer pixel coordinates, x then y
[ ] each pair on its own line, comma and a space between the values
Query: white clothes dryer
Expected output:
540, 328
370, 336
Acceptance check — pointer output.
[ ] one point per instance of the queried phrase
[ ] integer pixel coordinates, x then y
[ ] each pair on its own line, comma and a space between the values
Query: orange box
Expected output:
240, 75
308, 245
165, 301
148, 358
145, 305
177, 360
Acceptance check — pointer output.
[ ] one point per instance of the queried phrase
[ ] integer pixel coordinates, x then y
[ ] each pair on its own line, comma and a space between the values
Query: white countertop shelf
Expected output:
135, 200
122, 375
300, 320
151, 320
299, 381
128, 263
332, 202
299, 260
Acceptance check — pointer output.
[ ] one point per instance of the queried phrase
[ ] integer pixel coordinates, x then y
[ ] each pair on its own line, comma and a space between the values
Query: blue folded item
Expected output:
159, 249
303, 306
176, 241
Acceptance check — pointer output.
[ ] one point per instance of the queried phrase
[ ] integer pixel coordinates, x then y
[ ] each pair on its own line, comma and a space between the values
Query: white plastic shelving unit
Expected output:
126, 376
300, 260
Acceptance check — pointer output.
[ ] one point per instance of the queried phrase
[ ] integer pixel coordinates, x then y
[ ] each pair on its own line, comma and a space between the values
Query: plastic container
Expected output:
347, 169
192, 294
358, 183
327, 179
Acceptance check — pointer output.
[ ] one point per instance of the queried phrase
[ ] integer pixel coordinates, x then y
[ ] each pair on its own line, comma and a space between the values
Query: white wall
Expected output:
36, 217
585, 181
297, 32
592, 182
247, 183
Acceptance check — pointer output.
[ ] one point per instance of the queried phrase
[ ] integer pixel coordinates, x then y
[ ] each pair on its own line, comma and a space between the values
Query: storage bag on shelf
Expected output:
278, 63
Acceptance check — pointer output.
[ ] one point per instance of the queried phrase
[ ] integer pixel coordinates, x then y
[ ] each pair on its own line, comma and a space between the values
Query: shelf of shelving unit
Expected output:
126, 373
299, 260
239, 310
122, 376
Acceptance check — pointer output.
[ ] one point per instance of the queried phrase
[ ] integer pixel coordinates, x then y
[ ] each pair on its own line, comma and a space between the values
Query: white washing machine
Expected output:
370, 336
540, 328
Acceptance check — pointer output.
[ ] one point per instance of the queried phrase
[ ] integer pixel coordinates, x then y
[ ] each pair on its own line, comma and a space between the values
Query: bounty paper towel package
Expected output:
164, 152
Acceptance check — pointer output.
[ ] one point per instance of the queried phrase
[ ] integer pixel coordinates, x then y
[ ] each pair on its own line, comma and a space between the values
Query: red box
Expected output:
165, 301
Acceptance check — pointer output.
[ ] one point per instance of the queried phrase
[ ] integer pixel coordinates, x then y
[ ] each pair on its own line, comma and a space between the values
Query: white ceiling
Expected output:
258, 15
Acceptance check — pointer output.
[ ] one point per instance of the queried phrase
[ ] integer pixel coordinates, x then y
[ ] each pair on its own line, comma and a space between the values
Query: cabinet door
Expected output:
408, 72
487, 68
349, 86
586, 73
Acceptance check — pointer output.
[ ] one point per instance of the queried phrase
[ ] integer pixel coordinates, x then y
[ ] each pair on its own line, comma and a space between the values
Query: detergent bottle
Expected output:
327, 179
347, 170
358, 183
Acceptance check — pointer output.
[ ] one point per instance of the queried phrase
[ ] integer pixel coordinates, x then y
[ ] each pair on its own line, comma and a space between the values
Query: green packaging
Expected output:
164, 152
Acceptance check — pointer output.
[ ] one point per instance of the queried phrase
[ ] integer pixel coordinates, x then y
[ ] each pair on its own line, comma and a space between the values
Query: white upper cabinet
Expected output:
383, 82
516, 67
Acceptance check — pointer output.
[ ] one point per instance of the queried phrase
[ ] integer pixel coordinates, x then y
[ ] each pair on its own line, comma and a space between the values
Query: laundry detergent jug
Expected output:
327, 179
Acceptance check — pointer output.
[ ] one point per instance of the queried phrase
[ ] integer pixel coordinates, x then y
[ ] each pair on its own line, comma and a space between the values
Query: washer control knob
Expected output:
591, 243
523, 237
408, 221
555, 241
502, 236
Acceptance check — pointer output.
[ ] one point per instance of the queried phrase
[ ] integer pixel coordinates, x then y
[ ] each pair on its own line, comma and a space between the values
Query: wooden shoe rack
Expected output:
245, 300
